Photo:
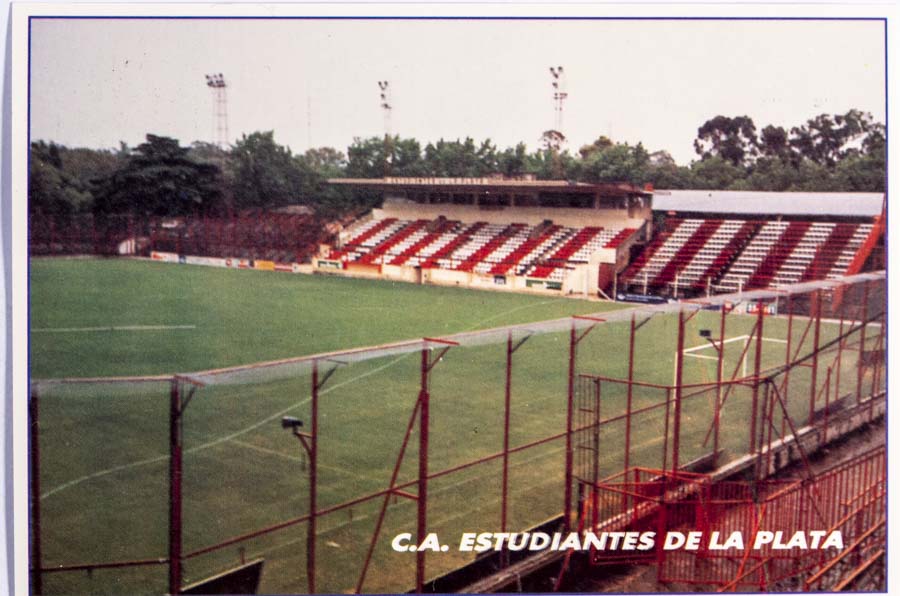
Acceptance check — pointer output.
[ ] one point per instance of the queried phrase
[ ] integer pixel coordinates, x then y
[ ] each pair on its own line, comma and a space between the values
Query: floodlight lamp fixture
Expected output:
216, 80
291, 422
385, 94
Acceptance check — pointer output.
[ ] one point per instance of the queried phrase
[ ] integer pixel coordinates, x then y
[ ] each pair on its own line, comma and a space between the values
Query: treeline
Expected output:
161, 177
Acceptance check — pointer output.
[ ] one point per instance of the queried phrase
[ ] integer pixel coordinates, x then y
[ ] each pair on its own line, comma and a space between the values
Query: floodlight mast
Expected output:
559, 95
216, 83
385, 96
386, 105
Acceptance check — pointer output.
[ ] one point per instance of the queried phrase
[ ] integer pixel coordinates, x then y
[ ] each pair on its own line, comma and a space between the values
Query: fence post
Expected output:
422, 500
757, 363
862, 342
787, 360
627, 459
36, 579
313, 474
174, 489
815, 357
720, 365
506, 407
679, 366
567, 499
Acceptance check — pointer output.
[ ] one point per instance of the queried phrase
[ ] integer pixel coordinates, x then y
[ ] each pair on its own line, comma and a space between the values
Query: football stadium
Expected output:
422, 363
269, 401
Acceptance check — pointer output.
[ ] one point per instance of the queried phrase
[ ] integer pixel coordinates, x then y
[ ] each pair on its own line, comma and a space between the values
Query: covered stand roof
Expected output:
489, 184
842, 204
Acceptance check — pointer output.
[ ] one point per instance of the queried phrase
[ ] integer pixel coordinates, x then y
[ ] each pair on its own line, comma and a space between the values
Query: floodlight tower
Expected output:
216, 83
559, 95
385, 95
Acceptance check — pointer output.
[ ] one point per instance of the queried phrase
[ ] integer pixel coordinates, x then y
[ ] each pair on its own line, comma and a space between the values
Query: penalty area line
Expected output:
113, 328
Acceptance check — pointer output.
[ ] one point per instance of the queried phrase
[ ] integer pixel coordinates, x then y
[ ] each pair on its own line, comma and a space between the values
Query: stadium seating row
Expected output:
542, 251
743, 254
279, 237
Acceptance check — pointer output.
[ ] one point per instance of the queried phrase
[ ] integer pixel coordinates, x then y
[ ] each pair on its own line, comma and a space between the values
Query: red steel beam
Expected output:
815, 357
679, 369
720, 365
387, 496
313, 479
757, 362
862, 342
33, 410
175, 473
626, 461
787, 354
506, 406
422, 513
567, 497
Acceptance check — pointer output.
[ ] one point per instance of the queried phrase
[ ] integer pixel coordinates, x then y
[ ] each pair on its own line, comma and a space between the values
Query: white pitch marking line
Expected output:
702, 356
715, 343
115, 328
294, 458
256, 425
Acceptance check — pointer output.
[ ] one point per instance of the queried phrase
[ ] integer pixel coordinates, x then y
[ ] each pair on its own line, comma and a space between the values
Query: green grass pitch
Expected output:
104, 446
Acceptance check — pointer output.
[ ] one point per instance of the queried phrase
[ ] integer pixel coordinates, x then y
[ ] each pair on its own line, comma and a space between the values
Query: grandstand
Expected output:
528, 235
525, 235
514, 234
768, 240
278, 236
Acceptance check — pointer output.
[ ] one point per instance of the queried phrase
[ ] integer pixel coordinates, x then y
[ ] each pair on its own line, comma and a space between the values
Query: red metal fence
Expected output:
496, 430
847, 498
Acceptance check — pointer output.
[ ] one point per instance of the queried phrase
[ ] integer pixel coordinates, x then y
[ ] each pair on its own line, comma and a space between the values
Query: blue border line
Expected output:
7, 207
448, 18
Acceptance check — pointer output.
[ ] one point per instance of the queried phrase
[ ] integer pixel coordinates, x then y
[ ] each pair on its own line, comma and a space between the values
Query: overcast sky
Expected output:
98, 82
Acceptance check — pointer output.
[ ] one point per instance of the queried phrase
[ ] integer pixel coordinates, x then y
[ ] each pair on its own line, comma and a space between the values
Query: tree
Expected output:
552, 140
52, 191
601, 144
460, 159
662, 172
827, 139
550, 164
773, 142
158, 178
513, 161
733, 139
715, 173
266, 174
615, 163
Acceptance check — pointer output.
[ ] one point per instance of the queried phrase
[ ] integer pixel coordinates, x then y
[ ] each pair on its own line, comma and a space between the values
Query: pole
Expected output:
567, 499
36, 578
506, 408
628, 399
679, 366
595, 496
174, 489
787, 356
313, 479
720, 364
840, 352
422, 501
815, 357
862, 342
757, 362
